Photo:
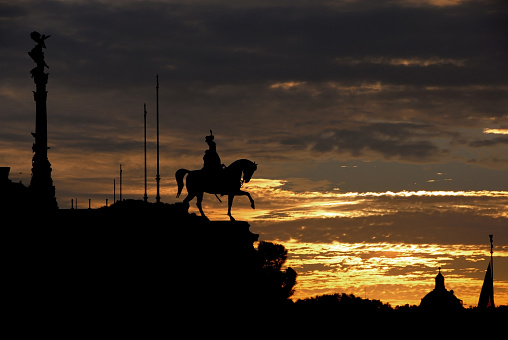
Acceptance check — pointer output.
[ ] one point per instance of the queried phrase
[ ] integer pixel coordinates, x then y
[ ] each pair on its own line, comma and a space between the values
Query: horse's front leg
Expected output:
230, 204
238, 193
245, 193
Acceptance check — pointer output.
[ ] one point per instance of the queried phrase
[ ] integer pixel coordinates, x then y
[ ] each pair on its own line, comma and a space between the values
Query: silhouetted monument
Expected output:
486, 299
41, 184
215, 178
440, 299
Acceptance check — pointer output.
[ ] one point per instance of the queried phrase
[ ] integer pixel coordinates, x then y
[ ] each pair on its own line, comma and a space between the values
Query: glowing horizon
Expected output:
377, 260
387, 268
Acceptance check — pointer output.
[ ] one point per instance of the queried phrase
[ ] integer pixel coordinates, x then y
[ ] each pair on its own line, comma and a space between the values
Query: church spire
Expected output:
439, 281
487, 293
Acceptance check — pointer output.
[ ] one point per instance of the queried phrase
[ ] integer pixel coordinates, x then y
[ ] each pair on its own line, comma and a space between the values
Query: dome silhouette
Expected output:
440, 299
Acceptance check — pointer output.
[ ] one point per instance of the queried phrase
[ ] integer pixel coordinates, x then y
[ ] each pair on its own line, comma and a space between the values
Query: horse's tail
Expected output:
179, 175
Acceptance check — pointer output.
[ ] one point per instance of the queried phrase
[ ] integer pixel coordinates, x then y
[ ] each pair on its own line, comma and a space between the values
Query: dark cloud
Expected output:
12, 10
489, 142
391, 140
237, 44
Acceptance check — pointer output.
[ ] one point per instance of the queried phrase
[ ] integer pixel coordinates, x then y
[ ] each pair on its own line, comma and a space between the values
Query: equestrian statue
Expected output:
215, 178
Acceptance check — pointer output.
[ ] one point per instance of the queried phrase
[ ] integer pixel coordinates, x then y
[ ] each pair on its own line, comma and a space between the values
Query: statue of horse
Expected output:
229, 182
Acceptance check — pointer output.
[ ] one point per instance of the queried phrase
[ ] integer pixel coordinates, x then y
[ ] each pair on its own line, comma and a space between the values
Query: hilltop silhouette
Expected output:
138, 263
137, 260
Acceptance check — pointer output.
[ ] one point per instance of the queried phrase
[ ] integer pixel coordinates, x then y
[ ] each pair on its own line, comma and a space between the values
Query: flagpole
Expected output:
120, 182
158, 178
492, 261
145, 197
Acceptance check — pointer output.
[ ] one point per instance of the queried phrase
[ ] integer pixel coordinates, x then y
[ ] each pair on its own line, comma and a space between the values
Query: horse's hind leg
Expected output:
188, 198
230, 203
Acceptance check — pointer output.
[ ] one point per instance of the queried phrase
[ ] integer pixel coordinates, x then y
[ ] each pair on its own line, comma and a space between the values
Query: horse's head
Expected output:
248, 171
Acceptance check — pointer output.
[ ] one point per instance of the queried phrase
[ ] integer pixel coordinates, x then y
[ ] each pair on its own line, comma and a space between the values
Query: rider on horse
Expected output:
215, 178
212, 166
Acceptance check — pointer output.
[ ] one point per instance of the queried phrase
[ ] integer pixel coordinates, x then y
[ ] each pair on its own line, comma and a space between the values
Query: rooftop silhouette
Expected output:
440, 299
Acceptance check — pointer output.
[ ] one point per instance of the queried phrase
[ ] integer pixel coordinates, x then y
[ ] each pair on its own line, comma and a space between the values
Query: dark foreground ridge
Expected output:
145, 263
134, 260
129, 247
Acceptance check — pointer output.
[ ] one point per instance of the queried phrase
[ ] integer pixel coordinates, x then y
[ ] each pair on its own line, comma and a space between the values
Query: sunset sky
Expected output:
380, 128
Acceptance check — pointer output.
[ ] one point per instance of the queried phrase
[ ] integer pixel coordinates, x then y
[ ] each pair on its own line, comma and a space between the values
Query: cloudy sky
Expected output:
373, 123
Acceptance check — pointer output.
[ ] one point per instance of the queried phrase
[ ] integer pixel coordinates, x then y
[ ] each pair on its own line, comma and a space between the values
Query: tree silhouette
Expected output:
343, 303
276, 285
274, 255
